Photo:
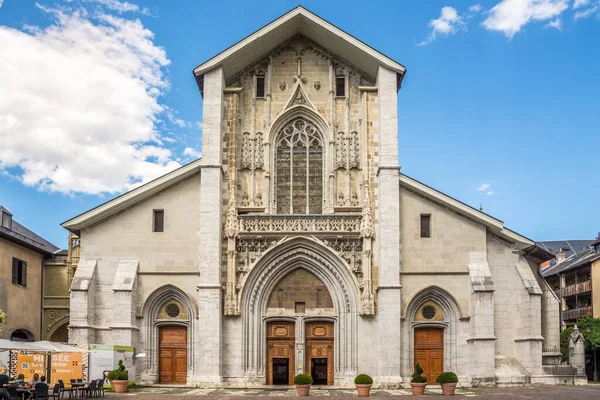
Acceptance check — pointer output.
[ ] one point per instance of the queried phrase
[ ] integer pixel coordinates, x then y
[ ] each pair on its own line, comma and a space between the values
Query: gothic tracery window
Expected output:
299, 169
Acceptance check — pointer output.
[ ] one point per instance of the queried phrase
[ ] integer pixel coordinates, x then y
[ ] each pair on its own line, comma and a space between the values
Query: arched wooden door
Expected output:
280, 353
429, 352
319, 352
173, 354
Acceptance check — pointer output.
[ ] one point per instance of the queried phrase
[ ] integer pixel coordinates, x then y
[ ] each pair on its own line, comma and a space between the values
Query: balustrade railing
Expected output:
284, 224
576, 313
577, 288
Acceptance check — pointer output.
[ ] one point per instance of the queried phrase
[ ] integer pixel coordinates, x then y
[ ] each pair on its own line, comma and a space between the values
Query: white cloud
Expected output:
510, 16
475, 8
448, 23
80, 103
580, 3
556, 24
585, 13
1, 2
485, 188
121, 6
191, 153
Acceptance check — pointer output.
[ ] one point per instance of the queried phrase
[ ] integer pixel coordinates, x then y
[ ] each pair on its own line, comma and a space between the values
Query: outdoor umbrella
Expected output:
6, 345
55, 347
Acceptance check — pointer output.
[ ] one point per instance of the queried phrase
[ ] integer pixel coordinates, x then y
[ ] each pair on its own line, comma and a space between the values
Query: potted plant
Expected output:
118, 378
363, 384
418, 381
448, 380
303, 382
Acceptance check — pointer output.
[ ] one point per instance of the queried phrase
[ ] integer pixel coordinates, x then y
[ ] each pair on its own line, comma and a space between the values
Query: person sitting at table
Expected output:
35, 380
42, 382
21, 379
4, 395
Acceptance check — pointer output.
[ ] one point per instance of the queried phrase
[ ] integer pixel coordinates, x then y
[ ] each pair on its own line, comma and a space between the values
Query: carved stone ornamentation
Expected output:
367, 302
340, 150
340, 198
354, 199
350, 250
282, 85
259, 159
245, 200
258, 200
231, 224
366, 224
314, 224
246, 159
353, 150
317, 85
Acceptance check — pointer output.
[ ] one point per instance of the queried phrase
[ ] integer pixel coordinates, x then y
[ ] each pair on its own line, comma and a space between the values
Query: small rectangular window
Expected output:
300, 307
19, 272
260, 86
340, 86
425, 225
159, 221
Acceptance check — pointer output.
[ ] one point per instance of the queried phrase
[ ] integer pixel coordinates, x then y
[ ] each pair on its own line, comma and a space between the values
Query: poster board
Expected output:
65, 366
30, 362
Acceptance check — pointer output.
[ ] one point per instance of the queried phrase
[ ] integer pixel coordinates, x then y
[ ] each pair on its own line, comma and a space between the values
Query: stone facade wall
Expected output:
303, 287
129, 235
22, 305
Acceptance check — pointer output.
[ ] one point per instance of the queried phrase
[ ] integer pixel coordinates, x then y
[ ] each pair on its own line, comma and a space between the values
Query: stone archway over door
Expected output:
173, 354
429, 351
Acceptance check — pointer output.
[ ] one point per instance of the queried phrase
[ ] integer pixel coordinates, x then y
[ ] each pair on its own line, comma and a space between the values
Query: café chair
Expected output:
41, 392
55, 392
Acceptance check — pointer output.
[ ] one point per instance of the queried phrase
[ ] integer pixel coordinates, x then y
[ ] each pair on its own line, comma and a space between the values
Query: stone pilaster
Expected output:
81, 318
210, 327
482, 342
123, 325
388, 233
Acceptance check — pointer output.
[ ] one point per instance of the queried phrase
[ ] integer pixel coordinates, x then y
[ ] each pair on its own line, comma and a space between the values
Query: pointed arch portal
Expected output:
277, 263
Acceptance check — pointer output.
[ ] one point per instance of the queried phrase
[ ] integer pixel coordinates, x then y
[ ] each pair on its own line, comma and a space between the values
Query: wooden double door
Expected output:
429, 352
281, 339
319, 352
173, 354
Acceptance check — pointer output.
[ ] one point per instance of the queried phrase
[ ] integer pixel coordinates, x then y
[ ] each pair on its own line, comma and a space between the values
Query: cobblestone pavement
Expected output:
521, 392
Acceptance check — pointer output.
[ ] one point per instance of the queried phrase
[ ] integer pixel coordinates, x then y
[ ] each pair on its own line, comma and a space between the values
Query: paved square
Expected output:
521, 392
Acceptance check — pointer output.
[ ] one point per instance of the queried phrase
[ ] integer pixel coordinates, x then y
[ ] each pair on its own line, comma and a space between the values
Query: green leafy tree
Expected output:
589, 328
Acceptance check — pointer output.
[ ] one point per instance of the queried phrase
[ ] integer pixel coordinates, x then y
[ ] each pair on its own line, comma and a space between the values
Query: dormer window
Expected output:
6, 221
260, 87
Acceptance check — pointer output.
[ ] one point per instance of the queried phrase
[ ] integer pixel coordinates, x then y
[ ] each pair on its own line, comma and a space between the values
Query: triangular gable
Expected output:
299, 21
299, 97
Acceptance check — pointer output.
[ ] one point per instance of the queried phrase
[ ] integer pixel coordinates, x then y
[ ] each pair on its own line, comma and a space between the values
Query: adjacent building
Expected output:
575, 278
296, 245
22, 257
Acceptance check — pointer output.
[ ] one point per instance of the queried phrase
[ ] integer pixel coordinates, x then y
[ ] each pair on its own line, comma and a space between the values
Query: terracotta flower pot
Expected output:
448, 389
363, 389
303, 390
120, 386
418, 388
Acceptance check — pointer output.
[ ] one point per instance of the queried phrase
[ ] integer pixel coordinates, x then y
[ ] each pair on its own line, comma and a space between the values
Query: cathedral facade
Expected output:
296, 245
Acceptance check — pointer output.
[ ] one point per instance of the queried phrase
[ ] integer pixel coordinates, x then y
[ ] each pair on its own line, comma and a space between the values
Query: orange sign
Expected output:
29, 363
65, 366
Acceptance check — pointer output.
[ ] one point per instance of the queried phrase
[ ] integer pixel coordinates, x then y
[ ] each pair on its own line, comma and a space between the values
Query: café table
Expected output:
30, 390
79, 386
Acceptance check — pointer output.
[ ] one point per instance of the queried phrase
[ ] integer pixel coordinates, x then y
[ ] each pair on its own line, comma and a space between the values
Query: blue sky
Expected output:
499, 106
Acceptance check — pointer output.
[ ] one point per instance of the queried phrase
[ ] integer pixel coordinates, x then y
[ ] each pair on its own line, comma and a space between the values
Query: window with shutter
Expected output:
19, 272
24, 273
15, 271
